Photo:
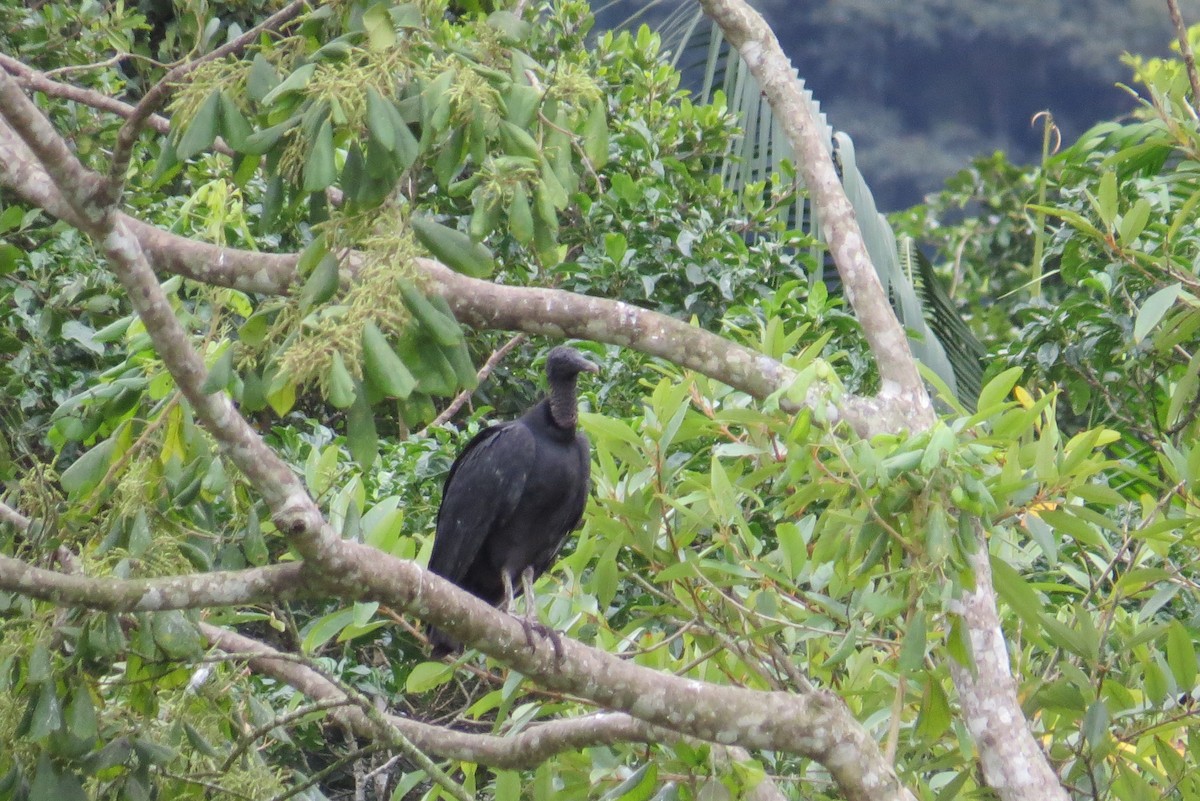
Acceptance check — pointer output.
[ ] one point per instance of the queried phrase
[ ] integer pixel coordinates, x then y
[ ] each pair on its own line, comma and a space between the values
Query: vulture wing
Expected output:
481, 493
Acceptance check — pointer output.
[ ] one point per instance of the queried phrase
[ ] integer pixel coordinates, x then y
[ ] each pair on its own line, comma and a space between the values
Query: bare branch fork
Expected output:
814, 725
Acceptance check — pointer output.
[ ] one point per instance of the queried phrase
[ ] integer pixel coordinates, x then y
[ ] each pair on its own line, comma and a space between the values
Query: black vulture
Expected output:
512, 496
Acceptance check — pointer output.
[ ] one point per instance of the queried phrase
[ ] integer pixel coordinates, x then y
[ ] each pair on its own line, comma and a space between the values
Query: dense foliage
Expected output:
727, 540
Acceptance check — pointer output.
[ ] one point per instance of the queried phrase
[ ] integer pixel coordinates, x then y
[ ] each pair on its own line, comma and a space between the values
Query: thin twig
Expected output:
485, 371
152, 100
1189, 58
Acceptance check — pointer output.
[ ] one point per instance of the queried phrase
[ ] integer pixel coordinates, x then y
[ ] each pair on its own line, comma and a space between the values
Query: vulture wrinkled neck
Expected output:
563, 403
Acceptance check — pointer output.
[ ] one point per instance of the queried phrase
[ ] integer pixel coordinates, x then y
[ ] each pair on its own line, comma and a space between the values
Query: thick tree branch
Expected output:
1014, 766
759, 48
47, 147
13, 518
553, 312
526, 749
815, 725
192, 591
36, 81
1185, 49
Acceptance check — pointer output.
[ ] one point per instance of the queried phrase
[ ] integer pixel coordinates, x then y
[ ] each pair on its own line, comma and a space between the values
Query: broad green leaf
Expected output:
47, 713
377, 22
339, 384
319, 168
202, 130
1095, 723
1181, 656
87, 471
81, 715
427, 676
933, 719
912, 651
1106, 199
1133, 222
1153, 310
638, 787
508, 784
361, 436
326, 628
997, 390
176, 635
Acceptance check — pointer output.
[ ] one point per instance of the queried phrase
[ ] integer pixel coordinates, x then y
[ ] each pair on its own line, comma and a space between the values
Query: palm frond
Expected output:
938, 335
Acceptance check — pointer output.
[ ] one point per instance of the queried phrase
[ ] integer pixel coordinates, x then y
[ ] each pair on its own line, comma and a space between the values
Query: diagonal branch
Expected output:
759, 48
191, 591
37, 81
815, 725
525, 749
47, 147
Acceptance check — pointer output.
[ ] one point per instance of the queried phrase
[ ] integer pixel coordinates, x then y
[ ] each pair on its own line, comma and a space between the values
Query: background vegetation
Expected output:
727, 540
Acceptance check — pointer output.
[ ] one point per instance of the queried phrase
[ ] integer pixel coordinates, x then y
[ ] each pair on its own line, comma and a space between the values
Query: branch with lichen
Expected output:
815, 725
527, 748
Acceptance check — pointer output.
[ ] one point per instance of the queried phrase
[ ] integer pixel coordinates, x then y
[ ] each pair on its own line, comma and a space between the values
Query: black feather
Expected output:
513, 494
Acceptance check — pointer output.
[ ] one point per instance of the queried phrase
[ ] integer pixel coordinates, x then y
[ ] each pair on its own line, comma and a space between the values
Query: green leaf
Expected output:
220, 374
322, 283
377, 22
1095, 723
176, 635
1106, 199
605, 579
520, 216
202, 130
379, 118
292, 83
1133, 222
234, 127
47, 714
382, 367
638, 787
361, 436
261, 79
427, 676
87, 471
1153, 310
81, 715
997, 391
326, 628
1072, 218
454, 248
595, 136
340, 383
1011, 587
1181, 656
933, 720
508, 784
912, 651
319, 169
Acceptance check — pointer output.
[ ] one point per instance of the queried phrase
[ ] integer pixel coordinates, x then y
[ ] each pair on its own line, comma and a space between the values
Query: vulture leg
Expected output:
530, 622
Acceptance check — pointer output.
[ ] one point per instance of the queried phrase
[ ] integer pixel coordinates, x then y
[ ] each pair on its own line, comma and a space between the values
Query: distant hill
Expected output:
922, 86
